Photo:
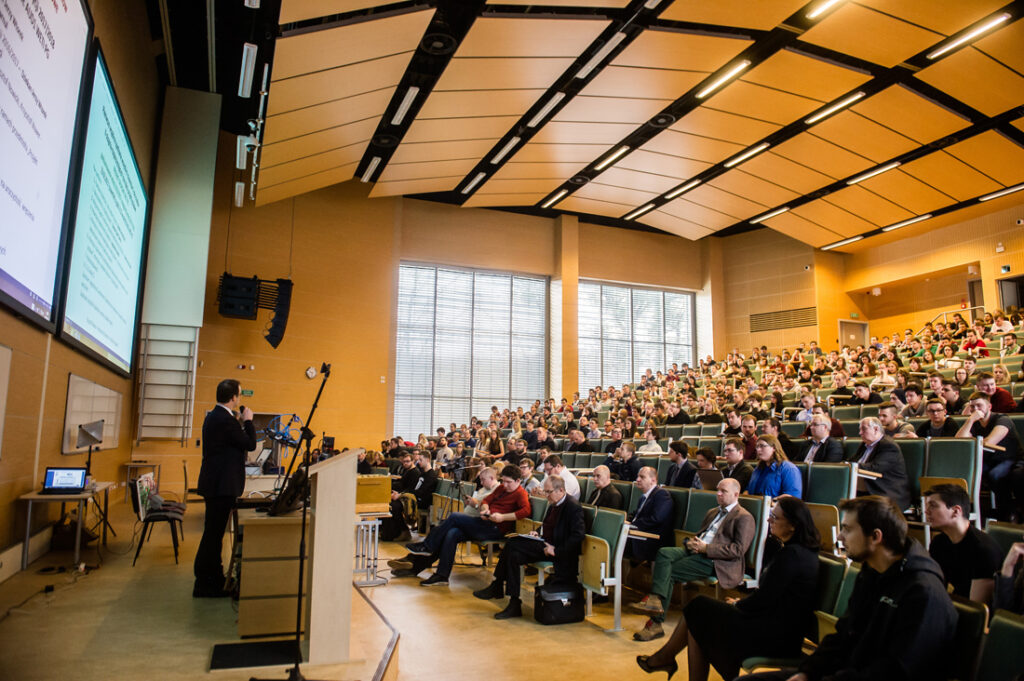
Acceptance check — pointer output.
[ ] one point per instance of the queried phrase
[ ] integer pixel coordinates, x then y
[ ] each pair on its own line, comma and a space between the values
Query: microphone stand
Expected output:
294, 674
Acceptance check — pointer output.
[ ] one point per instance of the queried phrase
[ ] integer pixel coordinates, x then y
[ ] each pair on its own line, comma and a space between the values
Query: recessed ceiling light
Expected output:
682, 190
370, 167
739, 158
638, 212
546, 109
474, 182
600, 55
822, 8
611, 158
844, 242
723, 79
505, 149
555, 199
906, 222
1002, 192
771, 214
403, 108
828, 111
970, 35
874, 171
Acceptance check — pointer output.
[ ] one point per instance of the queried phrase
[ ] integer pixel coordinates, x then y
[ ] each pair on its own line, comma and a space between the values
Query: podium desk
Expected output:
80, 499
269, 572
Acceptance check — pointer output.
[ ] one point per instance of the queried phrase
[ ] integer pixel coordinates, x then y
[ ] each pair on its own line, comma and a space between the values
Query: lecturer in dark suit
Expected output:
221, 481
880, 454
559, 539
653, 514
819, 447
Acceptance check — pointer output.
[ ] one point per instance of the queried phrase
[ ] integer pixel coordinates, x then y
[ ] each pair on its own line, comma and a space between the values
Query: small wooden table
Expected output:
81, 499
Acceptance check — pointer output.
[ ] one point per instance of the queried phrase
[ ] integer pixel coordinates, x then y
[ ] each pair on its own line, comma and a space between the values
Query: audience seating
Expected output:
601, 564
826, 519
972, 618
949, 457
1005, 534
712, 443
1002, 654
140, 489
913, 450
827, 620
828, 483
692, 430
794, 429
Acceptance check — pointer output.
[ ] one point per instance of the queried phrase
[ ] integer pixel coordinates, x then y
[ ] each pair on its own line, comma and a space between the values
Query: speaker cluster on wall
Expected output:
241, 297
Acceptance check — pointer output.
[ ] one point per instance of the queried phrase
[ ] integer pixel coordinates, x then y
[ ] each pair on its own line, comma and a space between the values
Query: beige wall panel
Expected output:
656, 49
730, 204
646, 83
977, 80
481, 200
338, 83
519, 171
411, 152
533, 37
806, 76
610, 109
906, 191
297, 10
323, 116
426, 169
712, 219
724, 126
581, 204
322, 50
822, 155
302, 185
450, 129
603, 192
435, 184
754, 188
796, 227
662, 164
310, 165
623, 177
870, 35
611, 254
992, 154
674, 225
1004, 45
834, 218
558, 132
944, 16
761, 102
519, 74
559, 153
949, 175
868, 205
911, 304
905, 112
456, 104
530, 186
691, 146
763, 14
354, 134
863, 136
774, 168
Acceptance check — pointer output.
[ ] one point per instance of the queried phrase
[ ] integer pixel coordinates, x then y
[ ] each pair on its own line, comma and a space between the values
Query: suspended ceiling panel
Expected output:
868, 205
643, 82
687, 51
1005, 46
863, 136
400, 187
774, 168
693, 147
413, 152
696, 213
565, 3
305, 185
788, 71
482, 200
762, 14
814, 152
741, 183
910, 114
943, 16
599, 191
674, 225
764, 103
951, 176
298, 92
726, 202
994, 155
523, 186
798, 228
324, 142
552, 171
585, 109
515, 73
271, 175
295, 124
582, 204
662, 164
870, 35
907, 191
553, 153
834, 218
977, 80
299, 10
625, 177
719, 125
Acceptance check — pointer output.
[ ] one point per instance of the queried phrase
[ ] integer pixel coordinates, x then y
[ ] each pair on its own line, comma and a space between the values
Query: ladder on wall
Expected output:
166, 382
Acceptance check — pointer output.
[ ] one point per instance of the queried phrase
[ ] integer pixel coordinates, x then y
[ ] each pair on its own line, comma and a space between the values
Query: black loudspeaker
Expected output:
280, 320
237, 296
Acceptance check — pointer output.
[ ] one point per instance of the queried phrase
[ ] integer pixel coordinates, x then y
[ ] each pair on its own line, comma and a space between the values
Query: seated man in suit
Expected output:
820, 447
653, 514
736, 467
623, 463
605, 493
681, 473
559, 539
578, 442
880, 454
718, 549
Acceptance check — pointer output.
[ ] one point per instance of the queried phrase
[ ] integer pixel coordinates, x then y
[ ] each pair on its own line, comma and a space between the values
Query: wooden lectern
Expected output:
331, 549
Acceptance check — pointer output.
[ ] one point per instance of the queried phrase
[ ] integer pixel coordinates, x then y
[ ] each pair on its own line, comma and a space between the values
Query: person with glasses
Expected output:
939, 423
774, 475
531, 484
820, 447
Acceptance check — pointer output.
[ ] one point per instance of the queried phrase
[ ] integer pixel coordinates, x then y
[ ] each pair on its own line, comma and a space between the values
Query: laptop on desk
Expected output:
61, 480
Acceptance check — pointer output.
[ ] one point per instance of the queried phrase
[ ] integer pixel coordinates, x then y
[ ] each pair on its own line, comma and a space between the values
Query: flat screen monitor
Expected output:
107, 235
43, 54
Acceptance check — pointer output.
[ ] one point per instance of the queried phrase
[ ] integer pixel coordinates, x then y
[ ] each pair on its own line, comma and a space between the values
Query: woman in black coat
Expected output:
770, 622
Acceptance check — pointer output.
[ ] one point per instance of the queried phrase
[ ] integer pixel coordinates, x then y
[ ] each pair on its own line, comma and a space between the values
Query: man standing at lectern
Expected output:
221, 480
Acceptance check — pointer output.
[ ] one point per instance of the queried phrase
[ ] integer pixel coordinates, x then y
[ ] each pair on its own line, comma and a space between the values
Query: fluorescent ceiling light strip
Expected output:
505, 149
600, 55
765, 216
682, 190
723, 79
1002, 192
374, 162
735, 160
542, 114
474, 182
871, 173
239, 194
614, 156
245, 76
822, 8
242, 151
844, 242
906, 222
403, 108
843, 103
638, 212
970, 35
651, 4
555, 199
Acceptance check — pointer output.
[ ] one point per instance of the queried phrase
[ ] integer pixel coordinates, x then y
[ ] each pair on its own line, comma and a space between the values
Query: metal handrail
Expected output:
945, 315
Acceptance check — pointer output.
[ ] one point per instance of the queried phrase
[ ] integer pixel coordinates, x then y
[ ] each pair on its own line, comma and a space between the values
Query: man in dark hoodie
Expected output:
900, 620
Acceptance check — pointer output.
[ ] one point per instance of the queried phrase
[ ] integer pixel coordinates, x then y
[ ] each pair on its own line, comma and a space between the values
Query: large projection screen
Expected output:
43, 47
108, 231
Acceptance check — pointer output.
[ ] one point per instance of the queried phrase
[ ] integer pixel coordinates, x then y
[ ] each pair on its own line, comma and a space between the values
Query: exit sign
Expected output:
247, 393
853, 315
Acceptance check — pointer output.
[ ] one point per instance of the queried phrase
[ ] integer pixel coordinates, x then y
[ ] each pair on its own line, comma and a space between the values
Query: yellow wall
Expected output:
832, 300
911, 304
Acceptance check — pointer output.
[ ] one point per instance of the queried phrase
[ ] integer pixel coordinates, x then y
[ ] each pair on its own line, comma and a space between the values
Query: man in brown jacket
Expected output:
718, 549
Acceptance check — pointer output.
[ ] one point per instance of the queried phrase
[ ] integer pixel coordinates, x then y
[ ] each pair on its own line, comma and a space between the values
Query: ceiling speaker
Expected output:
579, 180
438, 44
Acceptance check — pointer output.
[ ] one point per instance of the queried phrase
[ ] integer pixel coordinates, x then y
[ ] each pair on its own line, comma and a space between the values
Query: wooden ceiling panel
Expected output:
869, 205
834, 218
414, 152
514, 74
456, 104
399, 188
610, 110
310, 165
549, 171
822, 155
803, 230
977, 80
312, 119
754, 188
992, 154
902, 110
658, 49
623, 195
354, 134
529, 37
559, 153
805, 76
303, 185
782, 171
948, 174
870, 35
724, 126
863, 136
327, 49
644, 83
529, 186
564, 3
766, 104
909, 192
762, 15
1005, 45
730, 204
298, 10
481, 200
943, 16
335, 84
662, 164
649, 182
560, 132
694, 212
1019, 124
582, 204
426, 169
439, 129
673, 225
692, 147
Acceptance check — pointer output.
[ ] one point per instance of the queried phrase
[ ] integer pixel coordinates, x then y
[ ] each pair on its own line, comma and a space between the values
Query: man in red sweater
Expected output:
498, 515
1001, 399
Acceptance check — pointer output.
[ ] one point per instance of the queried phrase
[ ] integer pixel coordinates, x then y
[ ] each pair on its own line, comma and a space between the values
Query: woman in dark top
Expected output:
770, 622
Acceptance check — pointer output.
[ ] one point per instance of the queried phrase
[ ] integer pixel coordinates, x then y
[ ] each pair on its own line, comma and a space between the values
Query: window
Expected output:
466, 340
623, 331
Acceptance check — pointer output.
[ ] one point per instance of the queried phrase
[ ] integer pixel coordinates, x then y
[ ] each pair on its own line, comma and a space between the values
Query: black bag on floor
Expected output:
558, 604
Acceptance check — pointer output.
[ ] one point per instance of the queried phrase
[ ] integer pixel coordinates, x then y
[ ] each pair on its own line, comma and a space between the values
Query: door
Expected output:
852, 333
1011, 293
976, 297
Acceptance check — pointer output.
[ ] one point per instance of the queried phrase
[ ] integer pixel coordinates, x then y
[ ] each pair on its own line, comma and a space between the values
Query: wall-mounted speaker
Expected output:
237, 296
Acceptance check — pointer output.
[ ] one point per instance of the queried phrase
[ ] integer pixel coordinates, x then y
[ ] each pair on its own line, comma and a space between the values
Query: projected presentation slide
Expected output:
42, 54
107, 234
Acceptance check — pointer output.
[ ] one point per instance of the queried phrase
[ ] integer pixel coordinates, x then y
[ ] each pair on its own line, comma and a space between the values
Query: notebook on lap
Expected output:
60, 480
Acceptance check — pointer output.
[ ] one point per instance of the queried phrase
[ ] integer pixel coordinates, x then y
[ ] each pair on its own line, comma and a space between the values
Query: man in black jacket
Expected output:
221, 481
939, 423
681, 473
605, 493
395, 528
559, 539
820, 447
653, 514
424, 488
880, 454
899, 621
